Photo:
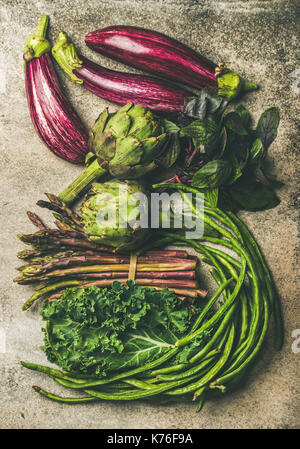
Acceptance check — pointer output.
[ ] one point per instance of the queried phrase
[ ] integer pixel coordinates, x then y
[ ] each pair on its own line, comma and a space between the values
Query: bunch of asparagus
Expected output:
64, 257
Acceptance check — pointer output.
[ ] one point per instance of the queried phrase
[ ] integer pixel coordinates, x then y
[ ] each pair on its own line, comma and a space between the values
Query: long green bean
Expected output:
57, 398
191, 371
139, 394
211, 374
279, 331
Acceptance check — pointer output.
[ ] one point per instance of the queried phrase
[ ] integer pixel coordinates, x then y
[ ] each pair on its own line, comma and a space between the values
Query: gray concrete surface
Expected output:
257, 38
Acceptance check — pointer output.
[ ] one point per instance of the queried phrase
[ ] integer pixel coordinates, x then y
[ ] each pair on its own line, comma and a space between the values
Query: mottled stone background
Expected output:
257, 38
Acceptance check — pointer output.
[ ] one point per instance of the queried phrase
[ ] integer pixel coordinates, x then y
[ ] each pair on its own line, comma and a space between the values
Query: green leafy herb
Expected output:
245, 116
234, 122
223, 142
252, 195
208, 103
169, 157
213, 174
256, 151
267, 126
236, 171
205, 132
224, 149
170, 127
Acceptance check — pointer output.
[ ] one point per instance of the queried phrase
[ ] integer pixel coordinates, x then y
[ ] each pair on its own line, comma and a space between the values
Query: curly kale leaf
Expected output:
96, 331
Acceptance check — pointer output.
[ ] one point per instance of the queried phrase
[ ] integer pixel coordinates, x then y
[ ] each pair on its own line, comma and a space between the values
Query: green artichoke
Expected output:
112, 216
126, 143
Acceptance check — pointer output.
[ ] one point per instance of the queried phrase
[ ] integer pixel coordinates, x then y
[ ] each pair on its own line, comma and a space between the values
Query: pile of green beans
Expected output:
239, 326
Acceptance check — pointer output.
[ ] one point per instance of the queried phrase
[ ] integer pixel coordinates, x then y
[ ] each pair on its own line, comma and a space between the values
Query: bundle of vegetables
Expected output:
151, 338
81, 252
148, 353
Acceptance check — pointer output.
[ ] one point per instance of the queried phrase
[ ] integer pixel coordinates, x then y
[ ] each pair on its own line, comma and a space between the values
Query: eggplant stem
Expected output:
231, 85
37, 44
41, 29
65, 54
248, 86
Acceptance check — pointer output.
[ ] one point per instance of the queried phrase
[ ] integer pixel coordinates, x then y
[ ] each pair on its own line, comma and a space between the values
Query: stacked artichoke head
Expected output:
127, 142
113, 212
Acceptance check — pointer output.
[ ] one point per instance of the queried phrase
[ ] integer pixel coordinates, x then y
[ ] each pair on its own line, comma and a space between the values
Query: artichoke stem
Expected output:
82, 182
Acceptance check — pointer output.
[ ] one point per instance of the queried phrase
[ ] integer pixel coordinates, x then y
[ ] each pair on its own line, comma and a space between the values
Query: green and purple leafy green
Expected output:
213, 174
234, 123
267, 126
226, 155
204, 132
245, 116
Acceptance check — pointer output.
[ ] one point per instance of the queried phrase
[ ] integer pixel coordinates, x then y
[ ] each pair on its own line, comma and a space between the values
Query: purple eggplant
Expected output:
163, 56
53, 117
155, 53
118, 87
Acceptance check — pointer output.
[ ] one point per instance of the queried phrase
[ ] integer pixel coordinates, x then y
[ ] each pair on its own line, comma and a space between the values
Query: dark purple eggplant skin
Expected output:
52, 114
123, 88
154, 53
